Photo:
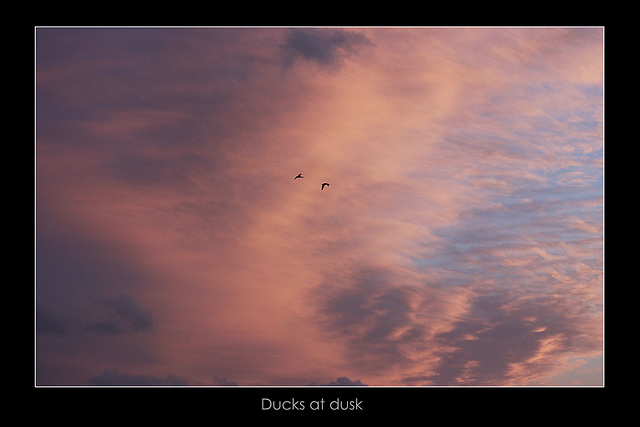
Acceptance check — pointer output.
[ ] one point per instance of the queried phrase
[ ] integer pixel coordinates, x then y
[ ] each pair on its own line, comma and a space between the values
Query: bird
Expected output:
323, 185
299, 176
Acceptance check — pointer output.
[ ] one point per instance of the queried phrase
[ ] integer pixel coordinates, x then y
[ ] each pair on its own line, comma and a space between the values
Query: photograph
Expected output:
318, 208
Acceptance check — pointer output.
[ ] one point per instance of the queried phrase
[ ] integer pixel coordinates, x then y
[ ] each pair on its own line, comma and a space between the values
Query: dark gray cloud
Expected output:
340, 381
373, 312
326, 47
346, 381
223, 381
499, 334
48, 323
124, 315
115, 378
487, 356
72, 273
70, 262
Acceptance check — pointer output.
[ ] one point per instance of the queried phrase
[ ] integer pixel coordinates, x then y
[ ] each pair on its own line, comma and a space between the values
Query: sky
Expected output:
460, 242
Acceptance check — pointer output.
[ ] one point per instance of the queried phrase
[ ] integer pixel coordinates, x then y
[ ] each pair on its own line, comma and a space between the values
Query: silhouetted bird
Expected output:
299, 176
323, 185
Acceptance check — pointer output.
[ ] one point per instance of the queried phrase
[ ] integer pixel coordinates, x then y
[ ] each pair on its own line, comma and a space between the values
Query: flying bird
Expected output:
323, 185
299, 176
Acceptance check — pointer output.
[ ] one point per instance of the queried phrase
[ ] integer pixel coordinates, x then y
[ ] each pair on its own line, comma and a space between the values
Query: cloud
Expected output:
113, 377
223, 381
345, 381
485, 349
325, 47
49, 323
109, 328
341, 381
152, 171
387, 318
125, 315
501, 342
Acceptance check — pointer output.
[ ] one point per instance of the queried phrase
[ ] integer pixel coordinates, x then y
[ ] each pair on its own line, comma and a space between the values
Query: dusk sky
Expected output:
460, 241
